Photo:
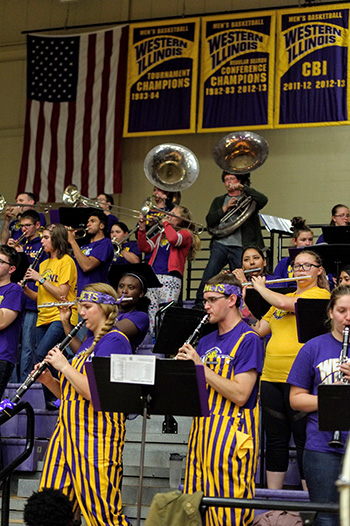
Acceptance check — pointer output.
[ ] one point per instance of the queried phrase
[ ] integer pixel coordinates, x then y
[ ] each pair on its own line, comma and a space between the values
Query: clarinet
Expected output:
28, 382
192, 339
336, 439
33, 264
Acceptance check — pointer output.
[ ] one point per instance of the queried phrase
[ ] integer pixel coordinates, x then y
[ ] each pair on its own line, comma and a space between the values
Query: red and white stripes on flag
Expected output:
73, 126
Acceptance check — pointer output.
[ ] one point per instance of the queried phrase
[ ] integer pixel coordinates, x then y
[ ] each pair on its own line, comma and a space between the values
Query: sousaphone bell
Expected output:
238, 153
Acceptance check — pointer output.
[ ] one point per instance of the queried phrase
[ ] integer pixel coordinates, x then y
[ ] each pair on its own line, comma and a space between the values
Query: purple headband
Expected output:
99, 297
225, 288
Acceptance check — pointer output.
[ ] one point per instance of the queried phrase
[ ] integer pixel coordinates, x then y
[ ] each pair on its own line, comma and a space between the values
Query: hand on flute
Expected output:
259, 282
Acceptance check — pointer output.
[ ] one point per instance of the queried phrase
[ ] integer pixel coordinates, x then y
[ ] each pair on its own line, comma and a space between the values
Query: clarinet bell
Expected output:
336, 440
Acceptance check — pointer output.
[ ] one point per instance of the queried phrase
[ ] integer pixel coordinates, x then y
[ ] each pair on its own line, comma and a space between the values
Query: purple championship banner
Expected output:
161, 92
312, 76
237, 72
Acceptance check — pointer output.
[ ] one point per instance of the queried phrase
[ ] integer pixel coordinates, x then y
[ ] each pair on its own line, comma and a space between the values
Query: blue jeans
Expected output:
28, 344
321, 471
48, 336
220, 255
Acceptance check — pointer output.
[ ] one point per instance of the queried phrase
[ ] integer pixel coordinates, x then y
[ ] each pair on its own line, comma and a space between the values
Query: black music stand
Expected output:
336, 236
330, 399
75, 217
311, 316
177, 325
334, 257
179, 389
257, 305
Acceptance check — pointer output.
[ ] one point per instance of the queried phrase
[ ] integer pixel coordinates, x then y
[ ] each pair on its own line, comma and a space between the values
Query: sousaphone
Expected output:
238, 153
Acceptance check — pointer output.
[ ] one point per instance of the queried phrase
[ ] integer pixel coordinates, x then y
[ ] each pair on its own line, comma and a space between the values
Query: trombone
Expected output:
148, 205
40, 206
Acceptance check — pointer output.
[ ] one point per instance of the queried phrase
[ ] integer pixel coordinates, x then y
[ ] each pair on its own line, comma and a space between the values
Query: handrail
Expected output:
6, 472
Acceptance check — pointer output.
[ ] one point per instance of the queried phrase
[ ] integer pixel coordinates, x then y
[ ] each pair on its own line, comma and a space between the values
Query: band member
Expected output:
302, 237
86, 447
56, 279
279, 420
11, 226
344, 277
127, 251
223, 448
106, 202
318, 362
30, 224
228, 249
253, 264
169, 250
11, 306
340, 217
94, 259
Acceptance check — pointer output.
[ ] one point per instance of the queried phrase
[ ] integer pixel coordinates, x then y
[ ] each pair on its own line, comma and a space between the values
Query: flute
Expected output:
278, 280
28, 382
33, 265
68, 303
248, 271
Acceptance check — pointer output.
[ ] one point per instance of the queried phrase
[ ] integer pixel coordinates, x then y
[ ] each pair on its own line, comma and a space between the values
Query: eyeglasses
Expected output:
305, 266
2, 262
27, 225
342, 216
213, 299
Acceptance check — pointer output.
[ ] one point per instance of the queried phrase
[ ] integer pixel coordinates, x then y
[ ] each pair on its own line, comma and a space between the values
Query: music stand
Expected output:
330, 399
311, 315
179, 389
336, 236
177, 325
257, 305
75, 217
334, 257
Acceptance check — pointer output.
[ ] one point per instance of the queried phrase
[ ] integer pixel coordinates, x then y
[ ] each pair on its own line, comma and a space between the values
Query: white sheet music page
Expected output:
133, 369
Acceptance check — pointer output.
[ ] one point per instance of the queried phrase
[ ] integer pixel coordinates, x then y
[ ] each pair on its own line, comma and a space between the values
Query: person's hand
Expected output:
32, 274
71, 234
345, 369
187, 352
142, 223
259, 282
238, 272
65, 312
55, 358
45, 376
230, 203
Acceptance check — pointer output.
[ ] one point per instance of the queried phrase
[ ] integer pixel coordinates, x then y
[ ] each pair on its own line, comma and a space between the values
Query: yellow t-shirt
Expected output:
283, 345
58, 272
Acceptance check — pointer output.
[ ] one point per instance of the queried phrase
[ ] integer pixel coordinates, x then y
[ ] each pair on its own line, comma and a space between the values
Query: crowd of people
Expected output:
253, 363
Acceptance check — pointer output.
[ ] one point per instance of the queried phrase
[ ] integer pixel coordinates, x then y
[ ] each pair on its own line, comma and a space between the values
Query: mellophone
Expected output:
6, 404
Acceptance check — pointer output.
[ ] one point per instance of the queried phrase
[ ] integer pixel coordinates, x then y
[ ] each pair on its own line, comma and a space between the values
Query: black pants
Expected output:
280, 422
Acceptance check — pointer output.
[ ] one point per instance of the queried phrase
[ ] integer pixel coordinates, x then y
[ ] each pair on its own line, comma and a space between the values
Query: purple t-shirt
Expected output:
249, 355
31, 248
101, 250
12, 298
131, 246
160, 263
114, 342
316, 363
141, 321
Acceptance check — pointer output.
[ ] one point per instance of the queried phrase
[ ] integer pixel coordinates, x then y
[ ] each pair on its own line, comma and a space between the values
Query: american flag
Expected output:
74, 114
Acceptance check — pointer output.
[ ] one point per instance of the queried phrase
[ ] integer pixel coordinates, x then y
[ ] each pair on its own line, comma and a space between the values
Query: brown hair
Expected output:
338, 292
187, 224
298, 226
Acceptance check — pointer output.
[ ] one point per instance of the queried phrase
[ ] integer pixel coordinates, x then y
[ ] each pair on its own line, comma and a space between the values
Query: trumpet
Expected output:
82, 230
278, 280
19, 240
118, 245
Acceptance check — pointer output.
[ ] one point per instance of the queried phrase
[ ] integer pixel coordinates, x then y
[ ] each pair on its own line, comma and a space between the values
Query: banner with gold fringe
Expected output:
237, 72
312, 76
161, 92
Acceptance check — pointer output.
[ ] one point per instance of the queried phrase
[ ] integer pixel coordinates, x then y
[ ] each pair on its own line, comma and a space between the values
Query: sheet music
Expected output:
276, 223
133, 369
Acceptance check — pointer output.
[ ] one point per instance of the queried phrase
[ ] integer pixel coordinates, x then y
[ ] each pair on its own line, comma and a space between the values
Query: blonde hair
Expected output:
110, 311
187, 224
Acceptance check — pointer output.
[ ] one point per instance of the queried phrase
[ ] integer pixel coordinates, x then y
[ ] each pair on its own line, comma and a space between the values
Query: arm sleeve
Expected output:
215, 212
260, 199
301, 373
249, 354
177, 239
